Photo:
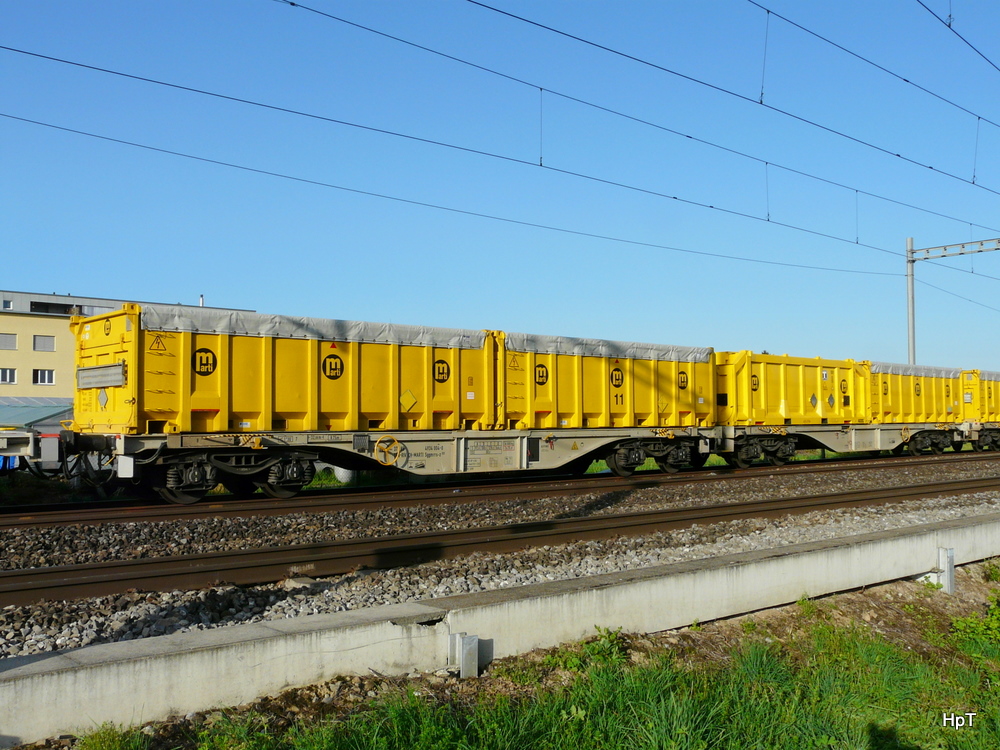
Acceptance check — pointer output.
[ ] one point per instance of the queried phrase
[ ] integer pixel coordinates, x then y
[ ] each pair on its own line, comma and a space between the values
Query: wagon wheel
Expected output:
775, 460
957, 446
279, 491
734, 460
181, 497
667, 467
616, 466
388, 450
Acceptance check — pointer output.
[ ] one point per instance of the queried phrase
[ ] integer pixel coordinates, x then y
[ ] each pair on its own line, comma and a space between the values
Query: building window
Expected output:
51, 308
43, 377
8, 341
8, 375
91, 310
45, 343
8, 304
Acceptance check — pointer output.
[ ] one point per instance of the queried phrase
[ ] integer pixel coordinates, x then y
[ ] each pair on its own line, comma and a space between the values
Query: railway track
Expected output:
331, 558
445, 493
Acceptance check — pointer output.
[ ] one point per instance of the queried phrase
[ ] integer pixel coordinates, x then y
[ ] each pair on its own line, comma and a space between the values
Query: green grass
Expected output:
833, 687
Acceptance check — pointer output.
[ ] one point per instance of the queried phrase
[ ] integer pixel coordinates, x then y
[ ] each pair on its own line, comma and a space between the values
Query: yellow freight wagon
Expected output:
765, 389
914, 394
559, 383
163, 369
981, 407
173, 371
928, 400
761, 396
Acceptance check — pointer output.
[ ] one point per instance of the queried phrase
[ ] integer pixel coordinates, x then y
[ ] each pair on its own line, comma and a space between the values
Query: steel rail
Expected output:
257, 566
445, 493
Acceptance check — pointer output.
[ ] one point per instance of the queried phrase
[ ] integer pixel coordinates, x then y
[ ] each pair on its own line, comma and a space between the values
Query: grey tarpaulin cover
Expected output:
239, 323
236, 323
888, 368
526, 342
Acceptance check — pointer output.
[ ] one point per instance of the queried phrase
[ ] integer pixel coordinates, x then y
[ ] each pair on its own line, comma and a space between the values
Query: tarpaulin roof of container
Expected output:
237, 323
918, 370
528, 342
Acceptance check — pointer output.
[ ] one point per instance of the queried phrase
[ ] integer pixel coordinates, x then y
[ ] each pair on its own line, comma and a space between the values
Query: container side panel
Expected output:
293, 378
106, 396
378, 365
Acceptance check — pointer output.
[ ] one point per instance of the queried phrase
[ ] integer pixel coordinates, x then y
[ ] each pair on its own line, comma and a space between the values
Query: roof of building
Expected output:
61, 304
21, 415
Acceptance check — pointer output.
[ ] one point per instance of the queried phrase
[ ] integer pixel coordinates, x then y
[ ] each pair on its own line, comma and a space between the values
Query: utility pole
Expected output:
931, 253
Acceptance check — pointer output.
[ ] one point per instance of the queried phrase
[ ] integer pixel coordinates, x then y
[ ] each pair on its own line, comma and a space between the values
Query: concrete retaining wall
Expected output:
137, 681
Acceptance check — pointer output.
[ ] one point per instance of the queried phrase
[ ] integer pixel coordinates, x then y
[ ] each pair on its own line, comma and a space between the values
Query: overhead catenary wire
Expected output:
874, 64
439, 207
951, 28
480, 152
455, 147
857, 191
537, 225
513, 159
735, 94
959, 296
632, 118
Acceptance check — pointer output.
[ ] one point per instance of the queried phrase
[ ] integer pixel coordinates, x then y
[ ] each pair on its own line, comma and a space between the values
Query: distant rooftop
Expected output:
25, 415
37, 303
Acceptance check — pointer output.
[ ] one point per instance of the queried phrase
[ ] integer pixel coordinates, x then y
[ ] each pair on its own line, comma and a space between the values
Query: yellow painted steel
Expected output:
903, 399
766, 389
136, 381
980, 396
106, 341
553, 391
182, 382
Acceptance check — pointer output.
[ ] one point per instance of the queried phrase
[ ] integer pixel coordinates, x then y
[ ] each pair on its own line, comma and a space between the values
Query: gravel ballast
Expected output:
51, 626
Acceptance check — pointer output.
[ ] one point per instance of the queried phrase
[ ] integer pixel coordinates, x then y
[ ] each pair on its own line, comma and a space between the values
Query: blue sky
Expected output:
580, 193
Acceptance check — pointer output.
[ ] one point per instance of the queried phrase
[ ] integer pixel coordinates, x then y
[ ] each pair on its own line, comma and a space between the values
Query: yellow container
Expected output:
913, 394
981, 396
550, 382
766, 389
106, 395
166, 369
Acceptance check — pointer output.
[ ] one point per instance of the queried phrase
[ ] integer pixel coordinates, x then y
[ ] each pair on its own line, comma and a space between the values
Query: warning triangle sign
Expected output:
157, 345
333, 345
